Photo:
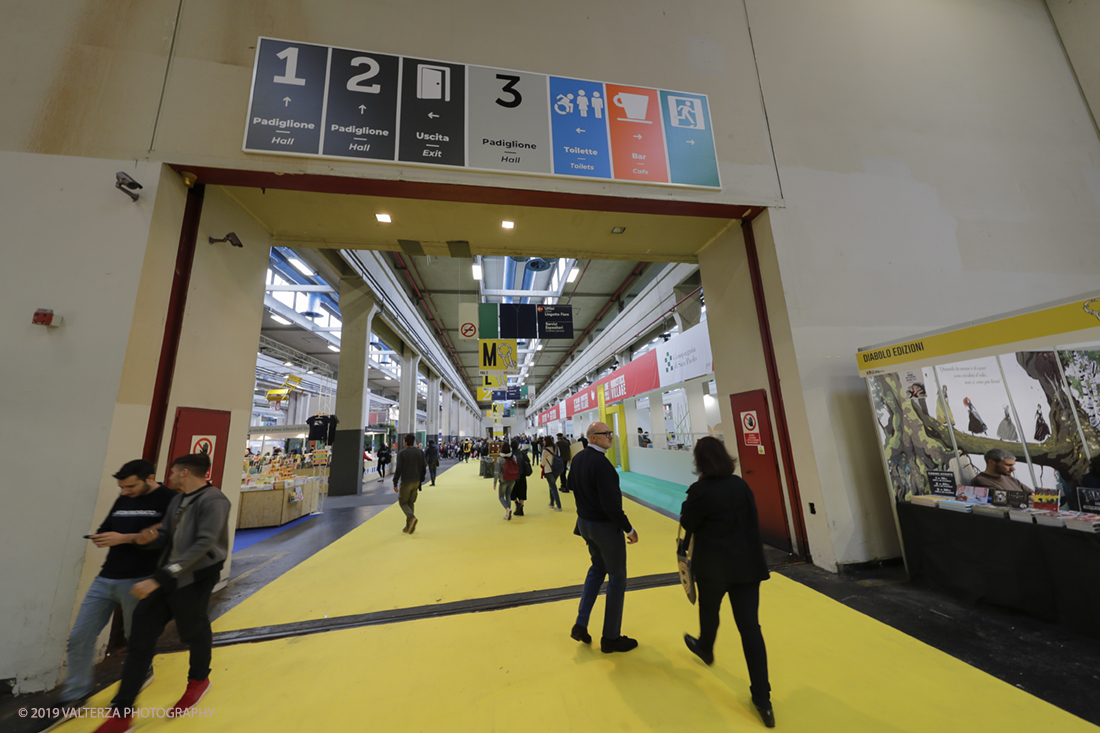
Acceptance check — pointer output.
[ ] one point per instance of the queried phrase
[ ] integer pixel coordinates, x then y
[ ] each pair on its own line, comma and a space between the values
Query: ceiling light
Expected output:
384, 218
538, 348
573, 274
508, 224
280, 319
618, 230
287, 363
309, 371
300, 266
477, 271
333, 347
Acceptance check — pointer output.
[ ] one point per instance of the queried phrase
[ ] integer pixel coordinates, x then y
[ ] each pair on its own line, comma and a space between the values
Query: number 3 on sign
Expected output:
290, 55
510, 88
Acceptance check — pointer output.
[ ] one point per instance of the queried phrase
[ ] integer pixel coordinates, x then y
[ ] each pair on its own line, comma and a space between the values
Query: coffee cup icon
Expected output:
635, 106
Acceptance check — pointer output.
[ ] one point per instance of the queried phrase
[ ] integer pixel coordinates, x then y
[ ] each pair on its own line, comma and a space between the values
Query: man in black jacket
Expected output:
566, 453
603, 525
408, 474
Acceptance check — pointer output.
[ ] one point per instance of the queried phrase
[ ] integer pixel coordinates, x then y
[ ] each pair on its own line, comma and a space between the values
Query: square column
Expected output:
448, 409
432, 408
358, 308
406, 420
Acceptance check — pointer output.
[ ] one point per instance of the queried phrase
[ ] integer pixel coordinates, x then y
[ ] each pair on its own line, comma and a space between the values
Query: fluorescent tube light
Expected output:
477, 271
332, 347
280, 319
573, 274
384, 218
508, 224
300, 266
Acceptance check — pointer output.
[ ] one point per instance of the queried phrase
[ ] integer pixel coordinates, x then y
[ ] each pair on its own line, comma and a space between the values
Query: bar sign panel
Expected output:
288, 87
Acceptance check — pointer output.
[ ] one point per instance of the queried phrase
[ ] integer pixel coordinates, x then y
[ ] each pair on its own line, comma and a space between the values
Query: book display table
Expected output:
1049, 572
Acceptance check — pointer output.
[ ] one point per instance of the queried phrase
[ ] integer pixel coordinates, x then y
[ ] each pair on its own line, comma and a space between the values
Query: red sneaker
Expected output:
116, 724
196, 689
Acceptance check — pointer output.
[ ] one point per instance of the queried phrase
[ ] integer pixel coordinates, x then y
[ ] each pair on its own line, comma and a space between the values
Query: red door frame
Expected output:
783, 433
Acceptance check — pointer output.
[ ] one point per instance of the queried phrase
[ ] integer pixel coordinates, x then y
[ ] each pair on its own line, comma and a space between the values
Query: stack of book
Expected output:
1027, 516
1084, 522
926, 500
1000, 512
956, 506
1050, 519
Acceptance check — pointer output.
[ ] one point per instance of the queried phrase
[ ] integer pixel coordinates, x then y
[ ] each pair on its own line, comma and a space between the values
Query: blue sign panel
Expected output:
578, 127
689, 139
514, 393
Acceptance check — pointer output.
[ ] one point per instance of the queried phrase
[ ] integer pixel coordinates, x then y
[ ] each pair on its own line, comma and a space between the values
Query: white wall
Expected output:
1078, 23
75, 244
670, 465
938, 165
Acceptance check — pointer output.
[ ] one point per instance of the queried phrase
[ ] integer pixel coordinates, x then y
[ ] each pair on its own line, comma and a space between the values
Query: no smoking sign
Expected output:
750, 427
468, 330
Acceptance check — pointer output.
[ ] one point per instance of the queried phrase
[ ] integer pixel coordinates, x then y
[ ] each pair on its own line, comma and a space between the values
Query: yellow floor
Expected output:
462, 549
832, 669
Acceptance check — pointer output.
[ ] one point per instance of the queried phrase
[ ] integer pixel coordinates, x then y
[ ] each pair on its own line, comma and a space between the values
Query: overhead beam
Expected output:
299, 289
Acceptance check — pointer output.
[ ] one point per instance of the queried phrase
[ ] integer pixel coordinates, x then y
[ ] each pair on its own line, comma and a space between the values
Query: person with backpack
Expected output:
519, 491
384, 455
506, 472
552, 467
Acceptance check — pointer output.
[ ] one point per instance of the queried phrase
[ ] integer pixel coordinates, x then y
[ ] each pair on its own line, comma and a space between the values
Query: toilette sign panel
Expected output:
320, 101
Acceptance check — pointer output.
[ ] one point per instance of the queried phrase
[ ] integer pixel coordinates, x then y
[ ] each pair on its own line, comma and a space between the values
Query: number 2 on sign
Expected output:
290, 55
355, 83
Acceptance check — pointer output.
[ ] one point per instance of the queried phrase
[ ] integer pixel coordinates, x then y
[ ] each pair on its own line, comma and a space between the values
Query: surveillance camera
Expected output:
232, 238
125, 183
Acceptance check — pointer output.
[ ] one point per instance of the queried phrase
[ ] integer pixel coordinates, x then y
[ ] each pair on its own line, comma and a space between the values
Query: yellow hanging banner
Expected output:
497, 357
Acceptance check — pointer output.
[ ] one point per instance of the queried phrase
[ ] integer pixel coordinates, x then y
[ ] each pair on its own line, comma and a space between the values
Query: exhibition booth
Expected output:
1028, 384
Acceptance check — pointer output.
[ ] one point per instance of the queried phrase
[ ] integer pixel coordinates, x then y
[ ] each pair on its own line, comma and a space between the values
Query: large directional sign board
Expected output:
322, 101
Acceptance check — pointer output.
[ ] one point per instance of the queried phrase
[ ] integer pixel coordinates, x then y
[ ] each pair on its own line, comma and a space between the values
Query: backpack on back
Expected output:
557, 466
511, 469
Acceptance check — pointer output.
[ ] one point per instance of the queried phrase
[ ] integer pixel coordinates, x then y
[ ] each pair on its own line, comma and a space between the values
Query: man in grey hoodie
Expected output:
194, 542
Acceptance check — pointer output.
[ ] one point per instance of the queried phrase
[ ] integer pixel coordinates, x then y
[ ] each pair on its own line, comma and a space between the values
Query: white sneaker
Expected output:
557, 508
508, 514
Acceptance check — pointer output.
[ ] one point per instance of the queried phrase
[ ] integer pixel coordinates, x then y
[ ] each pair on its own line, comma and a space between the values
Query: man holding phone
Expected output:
141, 504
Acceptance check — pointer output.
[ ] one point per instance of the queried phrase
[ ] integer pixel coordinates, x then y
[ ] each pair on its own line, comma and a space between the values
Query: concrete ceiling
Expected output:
346, 221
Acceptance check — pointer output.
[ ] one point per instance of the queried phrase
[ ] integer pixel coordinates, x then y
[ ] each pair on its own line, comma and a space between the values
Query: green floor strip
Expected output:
658, 492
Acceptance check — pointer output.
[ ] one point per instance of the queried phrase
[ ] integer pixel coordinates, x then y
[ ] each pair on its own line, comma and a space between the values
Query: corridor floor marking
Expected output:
832, 669
462, 549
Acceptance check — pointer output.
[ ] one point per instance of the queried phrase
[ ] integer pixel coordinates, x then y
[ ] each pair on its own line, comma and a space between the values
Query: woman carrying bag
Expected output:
728, 559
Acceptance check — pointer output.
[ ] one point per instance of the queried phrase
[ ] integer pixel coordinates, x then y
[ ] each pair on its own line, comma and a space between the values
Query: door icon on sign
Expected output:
686, 112
635, 106
433, 82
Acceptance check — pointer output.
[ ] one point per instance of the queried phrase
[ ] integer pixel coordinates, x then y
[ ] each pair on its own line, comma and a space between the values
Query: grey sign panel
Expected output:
509, 120
288, 88
433, 112
361, 111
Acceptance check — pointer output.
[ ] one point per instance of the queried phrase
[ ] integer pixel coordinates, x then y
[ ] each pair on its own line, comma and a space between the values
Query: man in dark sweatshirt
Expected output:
408, 474
141, 504
194, 542
606, 530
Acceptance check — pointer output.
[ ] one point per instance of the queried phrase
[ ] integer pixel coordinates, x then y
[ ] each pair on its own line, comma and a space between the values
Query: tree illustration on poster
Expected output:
915, 441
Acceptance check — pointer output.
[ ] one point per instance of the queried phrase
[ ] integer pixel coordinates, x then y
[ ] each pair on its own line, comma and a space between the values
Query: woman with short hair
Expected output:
728, 559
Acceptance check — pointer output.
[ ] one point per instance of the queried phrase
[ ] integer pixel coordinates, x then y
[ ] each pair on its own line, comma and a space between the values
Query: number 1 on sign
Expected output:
290, 55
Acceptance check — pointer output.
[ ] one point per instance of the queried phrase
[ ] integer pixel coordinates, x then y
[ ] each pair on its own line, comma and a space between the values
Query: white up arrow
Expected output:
286, 101
362, 108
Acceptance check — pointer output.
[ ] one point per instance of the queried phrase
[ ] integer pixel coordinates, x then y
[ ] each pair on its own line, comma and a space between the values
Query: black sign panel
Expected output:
287, 94
514, 393
361, 112
942, 483
518, 321
555, 321
433, 112
1089, 499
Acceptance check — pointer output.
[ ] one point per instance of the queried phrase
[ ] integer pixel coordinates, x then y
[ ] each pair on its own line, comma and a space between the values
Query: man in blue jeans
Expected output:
606, 530
141, 504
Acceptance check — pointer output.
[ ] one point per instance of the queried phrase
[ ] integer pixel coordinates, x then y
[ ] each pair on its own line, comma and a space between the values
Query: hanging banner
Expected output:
555, 321
468, 321
498, 356
685, 356
635, 378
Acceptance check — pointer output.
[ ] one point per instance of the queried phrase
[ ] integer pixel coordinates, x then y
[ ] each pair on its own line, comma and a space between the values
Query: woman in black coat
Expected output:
728, 560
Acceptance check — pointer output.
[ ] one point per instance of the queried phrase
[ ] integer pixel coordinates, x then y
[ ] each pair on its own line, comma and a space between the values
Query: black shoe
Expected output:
580, 634
767, 715
697, 649
622, 644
